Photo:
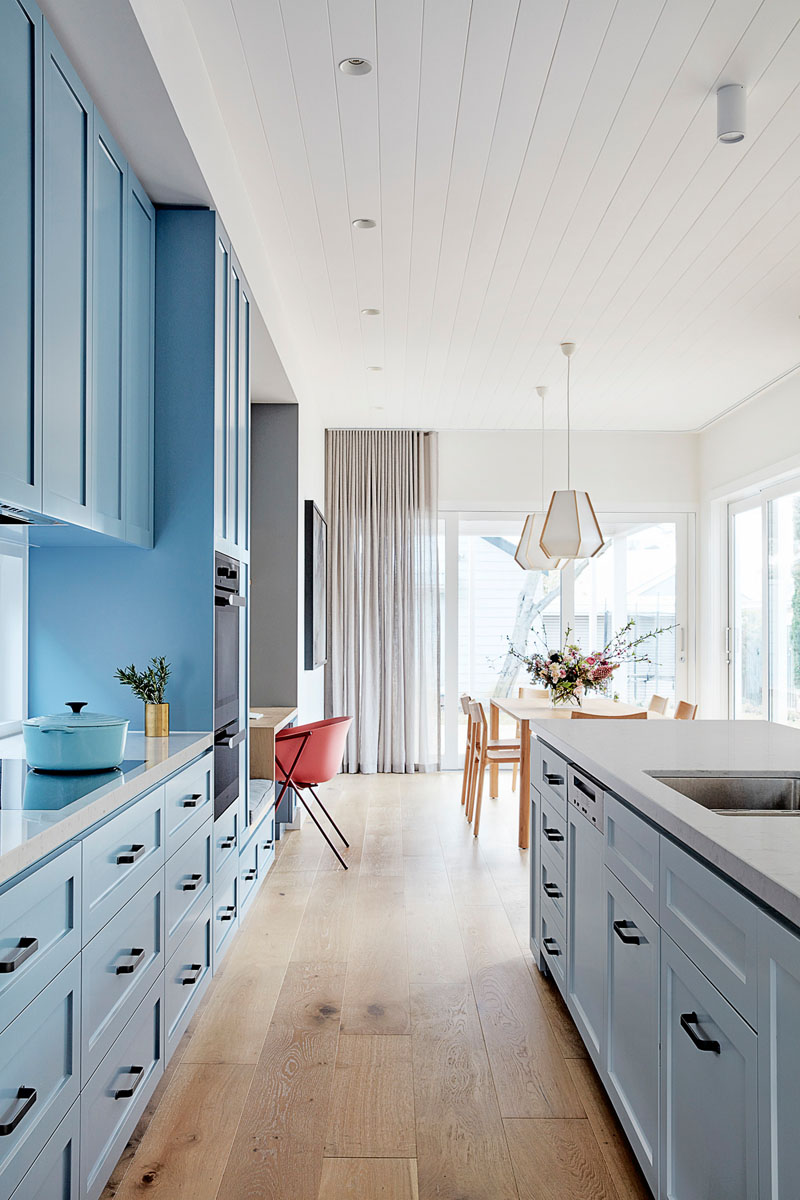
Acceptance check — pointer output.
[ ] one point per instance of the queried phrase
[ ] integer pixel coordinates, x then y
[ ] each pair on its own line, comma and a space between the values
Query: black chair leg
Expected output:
322, 831
328, 815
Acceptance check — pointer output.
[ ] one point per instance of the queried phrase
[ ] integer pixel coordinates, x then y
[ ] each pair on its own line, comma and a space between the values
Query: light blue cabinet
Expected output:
586, 949
67, 290
535, 861
21, 31
54, 1174
139, 365
709, 1109
778, 1059
110, 191
231, 402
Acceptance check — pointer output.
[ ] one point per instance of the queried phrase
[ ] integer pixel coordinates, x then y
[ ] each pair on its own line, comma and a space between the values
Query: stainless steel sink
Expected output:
737, 794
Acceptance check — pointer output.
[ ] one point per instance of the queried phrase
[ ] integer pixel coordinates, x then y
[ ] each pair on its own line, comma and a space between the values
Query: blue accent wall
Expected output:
92, 610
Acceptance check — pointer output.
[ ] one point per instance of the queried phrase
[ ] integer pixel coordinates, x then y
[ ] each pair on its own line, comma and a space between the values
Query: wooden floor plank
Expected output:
562, 1024
236, 1019
182, 1155
461, 1146
558, 1159
628, 1179
529, 1071
435, 951
278, 1149
369, 1179
327, 924
376, 991
372, 1102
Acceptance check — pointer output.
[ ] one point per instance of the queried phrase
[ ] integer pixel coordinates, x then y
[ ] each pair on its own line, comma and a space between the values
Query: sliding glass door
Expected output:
746, 637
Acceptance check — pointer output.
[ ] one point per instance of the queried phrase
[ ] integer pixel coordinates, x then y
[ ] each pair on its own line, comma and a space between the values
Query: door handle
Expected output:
10, 1122
137, 954
688, 1023
550, 889
552, 948
553, 835
228, 743
195, 971
192, 801
230, 601
124, 1093
24, 949
630, 939
130, 856
191, 883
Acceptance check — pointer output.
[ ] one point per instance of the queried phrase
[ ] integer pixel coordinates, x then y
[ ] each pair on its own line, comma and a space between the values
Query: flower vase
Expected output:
156, 720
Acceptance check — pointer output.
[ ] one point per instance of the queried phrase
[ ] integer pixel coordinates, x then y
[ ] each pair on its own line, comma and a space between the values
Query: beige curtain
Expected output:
383, 618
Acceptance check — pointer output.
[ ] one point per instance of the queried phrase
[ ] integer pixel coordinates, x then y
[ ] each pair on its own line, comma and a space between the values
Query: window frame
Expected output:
14, 550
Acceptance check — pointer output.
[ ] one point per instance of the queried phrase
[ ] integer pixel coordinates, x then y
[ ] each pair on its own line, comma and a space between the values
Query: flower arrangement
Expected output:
149, 685
568, 673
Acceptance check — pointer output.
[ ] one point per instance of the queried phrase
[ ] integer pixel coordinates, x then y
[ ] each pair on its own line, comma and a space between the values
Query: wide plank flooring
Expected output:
383, 1032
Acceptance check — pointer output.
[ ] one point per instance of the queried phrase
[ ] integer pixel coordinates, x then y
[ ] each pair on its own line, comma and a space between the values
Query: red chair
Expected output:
319, 749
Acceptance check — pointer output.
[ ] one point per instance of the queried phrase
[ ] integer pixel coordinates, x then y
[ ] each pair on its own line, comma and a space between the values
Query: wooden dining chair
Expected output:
684, 711
658, 704
464, 701
584, 716
484, 751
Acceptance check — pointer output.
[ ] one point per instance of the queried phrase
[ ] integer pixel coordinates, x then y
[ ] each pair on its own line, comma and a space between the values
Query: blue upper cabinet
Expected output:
232, 403
108, 327
67, 287
139, 365
20, 251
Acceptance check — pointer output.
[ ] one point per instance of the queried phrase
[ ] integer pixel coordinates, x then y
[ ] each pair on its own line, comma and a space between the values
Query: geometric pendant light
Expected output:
570, 526
529, 554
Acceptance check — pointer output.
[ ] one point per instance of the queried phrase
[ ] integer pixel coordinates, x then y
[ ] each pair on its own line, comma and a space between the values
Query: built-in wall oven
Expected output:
228, 736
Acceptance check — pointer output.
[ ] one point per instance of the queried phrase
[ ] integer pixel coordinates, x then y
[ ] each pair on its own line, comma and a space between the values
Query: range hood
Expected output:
9, 515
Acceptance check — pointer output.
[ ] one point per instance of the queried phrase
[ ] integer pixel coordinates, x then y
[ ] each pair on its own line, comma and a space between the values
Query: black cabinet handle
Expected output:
192, 801
24, 949
228, 912
553, 779
130, 856
28, 1097
137, 954
553, 835
124, 1093
550, 889
195, 971
192, 883
688, 1022
228, 844
630, 939
551, 948
266, 845
251, 875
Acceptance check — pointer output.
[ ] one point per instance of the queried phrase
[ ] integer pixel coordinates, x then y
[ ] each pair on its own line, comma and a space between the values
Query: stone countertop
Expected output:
28, 835
759, 853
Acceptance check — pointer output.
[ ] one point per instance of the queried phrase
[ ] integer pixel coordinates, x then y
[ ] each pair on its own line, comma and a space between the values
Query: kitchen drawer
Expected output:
116, 1095
119, 857
39, 1057
226, 913
712, 923
587, 796
188, 885
248, 874
226, 840
553, 942
266, 846
553, 885
549, 776
40, 931
188, 802
118, 967
186, 978
554, 835
632, 853
54, 1175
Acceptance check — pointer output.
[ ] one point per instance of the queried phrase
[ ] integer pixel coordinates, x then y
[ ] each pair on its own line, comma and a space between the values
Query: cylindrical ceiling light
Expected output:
529, 554
570, 526
730, 113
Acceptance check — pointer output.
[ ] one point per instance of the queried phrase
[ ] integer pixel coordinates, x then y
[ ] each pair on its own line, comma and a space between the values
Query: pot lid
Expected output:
76, 719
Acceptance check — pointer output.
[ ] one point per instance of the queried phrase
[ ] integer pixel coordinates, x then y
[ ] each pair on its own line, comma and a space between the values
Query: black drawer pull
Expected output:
228, 912
552, 948
553, 835
550, 889
228, 844
28, 1097
125, 1093
553, 779
192, 801
195, 971
630, 939
137, 954
688, 1022
130, 856
24, 949
266, 845
192, 883
251, 875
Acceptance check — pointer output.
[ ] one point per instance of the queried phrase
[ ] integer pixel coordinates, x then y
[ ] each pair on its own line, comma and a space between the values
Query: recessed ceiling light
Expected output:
731, 113
363, 223
374, 368
370, 312
355, 66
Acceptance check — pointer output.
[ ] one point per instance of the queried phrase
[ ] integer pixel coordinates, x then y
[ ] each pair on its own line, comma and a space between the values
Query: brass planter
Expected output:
156, 720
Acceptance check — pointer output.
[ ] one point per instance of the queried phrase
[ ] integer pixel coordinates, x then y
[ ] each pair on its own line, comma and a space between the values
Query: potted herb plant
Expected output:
149, 685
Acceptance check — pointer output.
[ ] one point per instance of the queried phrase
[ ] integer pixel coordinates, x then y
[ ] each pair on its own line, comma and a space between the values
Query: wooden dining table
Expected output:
538, 709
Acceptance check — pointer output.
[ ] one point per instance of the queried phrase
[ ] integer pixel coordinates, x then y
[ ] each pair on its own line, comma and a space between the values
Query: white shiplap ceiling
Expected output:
539, 171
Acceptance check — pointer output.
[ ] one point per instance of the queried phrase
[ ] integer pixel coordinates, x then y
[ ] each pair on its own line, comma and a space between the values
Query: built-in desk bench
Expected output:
262, 757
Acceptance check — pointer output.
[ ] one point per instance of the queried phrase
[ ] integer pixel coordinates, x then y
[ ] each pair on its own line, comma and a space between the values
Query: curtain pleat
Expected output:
383, 601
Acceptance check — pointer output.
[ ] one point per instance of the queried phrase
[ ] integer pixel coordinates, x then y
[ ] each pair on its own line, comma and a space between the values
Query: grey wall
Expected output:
274, 548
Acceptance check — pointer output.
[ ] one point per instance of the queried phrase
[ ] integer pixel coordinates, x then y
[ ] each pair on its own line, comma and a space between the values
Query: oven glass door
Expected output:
226, 660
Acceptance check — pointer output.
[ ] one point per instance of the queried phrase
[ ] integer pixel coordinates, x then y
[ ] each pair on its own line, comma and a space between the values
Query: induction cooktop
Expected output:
23, 788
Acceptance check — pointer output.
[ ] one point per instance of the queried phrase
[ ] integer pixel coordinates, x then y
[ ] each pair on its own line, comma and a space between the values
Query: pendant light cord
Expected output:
568, 430
541, 471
